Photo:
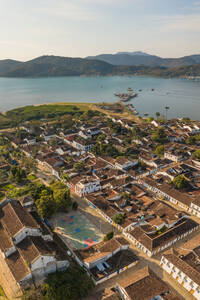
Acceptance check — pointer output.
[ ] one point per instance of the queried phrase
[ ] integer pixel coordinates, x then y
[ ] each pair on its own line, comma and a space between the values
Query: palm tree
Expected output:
166, 109
157, 115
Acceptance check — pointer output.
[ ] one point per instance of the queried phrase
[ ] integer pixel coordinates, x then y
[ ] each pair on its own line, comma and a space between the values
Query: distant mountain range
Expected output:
140, 58
122, 63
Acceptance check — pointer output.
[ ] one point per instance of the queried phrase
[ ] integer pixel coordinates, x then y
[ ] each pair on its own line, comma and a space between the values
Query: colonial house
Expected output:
143, 285
89, 132
106, 259
85, 185
124, 163
79, 142
152, 241
183, 264
185, 201
25, 255
173, 155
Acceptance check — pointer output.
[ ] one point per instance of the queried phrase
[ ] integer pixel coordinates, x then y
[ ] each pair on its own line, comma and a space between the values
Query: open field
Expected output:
51, 111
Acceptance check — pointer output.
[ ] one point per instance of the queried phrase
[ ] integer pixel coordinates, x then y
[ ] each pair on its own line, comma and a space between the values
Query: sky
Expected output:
79, 28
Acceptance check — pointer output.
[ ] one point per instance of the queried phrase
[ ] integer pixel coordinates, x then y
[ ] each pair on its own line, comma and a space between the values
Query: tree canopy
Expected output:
180, 182
196, 155
159, 150
159, 135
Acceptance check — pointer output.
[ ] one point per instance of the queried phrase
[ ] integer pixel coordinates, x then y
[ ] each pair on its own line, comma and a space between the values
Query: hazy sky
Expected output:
29, 28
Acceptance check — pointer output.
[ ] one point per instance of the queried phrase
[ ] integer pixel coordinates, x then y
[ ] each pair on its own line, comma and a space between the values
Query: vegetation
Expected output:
79, 166
118, 218
50, 199
140, 58
17, 174
105, 149
46, 206
159, 150
2, 294
157, 115
63, 115
196, 155
31, 112
75, 205
72, 284
109, 236
180, 182
159, 135
65, 66
162, 230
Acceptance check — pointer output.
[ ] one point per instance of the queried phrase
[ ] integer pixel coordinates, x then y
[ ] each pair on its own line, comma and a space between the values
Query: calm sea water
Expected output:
182, 96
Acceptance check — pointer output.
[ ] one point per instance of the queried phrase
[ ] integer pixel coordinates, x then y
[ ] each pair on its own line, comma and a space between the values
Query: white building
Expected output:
184, 265
26, 255
87, 186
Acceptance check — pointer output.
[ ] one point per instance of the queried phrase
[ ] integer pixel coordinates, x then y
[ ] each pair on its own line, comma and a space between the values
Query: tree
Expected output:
166, 109
157, 115
36, 189
62, 199
105, 149
46, 205
118, 218
66, 177
29, 164
73, 284
101, 138
136, 132
196, 155
17, 174
191, 140
79, 166
180, 182
150, 119
109, 236
2, 175
75, 205
159, 135
159, 150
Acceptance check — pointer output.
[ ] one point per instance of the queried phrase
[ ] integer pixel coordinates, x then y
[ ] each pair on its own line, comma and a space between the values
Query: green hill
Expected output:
59, 66
45, 66
144, 59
